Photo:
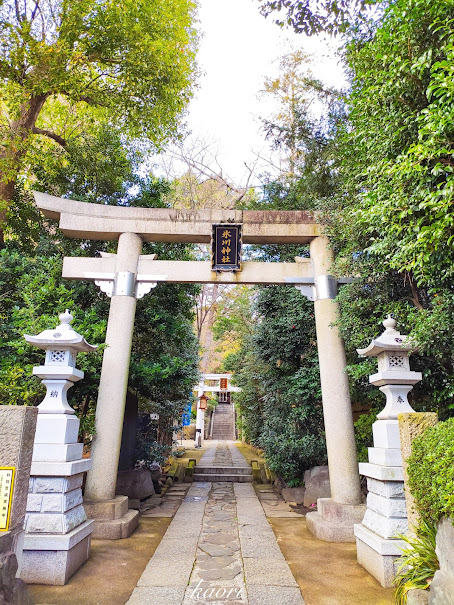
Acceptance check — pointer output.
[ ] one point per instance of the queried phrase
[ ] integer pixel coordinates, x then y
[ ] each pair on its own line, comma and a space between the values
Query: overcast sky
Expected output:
238, 49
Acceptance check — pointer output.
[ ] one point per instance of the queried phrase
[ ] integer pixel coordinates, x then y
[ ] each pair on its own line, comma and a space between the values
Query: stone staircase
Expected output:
223, 420
223, 461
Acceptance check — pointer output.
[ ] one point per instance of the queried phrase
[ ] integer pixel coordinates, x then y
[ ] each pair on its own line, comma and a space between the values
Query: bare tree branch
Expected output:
51, 135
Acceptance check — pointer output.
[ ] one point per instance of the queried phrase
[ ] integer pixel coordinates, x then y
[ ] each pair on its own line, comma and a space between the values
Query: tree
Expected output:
397, 159
318, 16
164, 355
296, 126
130, 63
199, 180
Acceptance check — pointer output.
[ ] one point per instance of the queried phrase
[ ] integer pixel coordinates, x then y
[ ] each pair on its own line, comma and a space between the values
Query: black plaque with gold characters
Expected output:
6, 495
226, 248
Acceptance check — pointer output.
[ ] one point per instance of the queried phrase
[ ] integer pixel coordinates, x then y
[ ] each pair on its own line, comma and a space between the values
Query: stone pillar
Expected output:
58, 534
200, 423
335, 516
17, 432
200, 418
377, 544
112, 518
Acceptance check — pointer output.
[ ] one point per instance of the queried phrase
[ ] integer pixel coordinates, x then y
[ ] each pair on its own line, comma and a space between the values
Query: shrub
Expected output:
363, 434
431, 472
418, 563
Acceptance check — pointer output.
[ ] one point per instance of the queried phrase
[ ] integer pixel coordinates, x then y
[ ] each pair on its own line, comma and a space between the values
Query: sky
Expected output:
238, 49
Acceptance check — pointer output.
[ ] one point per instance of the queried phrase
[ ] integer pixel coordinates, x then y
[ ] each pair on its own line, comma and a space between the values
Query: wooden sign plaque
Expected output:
226, 248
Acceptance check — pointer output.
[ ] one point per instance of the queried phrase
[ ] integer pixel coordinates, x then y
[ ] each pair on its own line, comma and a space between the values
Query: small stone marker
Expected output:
58, 535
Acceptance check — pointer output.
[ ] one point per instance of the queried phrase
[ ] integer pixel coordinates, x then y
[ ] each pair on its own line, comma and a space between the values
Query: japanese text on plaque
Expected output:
6, 493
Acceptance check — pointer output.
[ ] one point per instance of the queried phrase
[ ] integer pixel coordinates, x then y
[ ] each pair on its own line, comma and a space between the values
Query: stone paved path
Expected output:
218, 549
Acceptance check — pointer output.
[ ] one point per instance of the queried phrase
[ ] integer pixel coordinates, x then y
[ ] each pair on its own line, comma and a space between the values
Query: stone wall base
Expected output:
13, 591
415, 596
442, 589
112, 518
382, 567
333, 522
53, 559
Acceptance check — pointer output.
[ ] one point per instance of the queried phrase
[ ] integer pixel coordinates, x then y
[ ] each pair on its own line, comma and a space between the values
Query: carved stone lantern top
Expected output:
390, 340
63, 336
392, 349
61, 345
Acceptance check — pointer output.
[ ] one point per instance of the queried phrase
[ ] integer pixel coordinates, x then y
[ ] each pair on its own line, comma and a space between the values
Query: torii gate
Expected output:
128, 275
201, 388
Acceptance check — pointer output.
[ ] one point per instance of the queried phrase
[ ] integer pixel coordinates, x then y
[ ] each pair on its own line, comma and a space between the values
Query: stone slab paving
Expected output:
218, 549
274, 505
171, 501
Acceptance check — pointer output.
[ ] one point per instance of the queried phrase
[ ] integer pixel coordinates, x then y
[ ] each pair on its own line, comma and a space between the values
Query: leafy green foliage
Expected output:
67, 68
135, 58
164, 353
398, 147
318, 16
277, 368
418, 563
363, 434
431, 472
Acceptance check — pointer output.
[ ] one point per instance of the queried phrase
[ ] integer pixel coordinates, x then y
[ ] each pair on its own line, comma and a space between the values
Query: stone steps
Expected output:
227, 470
234, 474
226, 478
223, 423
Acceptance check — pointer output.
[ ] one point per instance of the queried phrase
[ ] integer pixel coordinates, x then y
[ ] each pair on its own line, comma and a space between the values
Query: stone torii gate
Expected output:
128, 275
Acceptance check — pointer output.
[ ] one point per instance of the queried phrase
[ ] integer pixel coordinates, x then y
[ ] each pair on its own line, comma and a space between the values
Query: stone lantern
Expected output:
57, 533
376, 537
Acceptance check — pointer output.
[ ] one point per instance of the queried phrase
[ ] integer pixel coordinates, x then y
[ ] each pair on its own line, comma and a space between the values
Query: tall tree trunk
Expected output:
13, 153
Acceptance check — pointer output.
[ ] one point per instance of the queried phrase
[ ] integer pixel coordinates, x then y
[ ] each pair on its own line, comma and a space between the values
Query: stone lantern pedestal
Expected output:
57, 532
386, 517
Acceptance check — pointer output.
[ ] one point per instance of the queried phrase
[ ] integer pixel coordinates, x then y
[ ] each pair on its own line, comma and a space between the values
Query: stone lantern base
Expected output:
377, 542
58, 534
54, 559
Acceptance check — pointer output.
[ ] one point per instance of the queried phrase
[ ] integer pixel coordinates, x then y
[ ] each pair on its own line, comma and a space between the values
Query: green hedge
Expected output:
431, 471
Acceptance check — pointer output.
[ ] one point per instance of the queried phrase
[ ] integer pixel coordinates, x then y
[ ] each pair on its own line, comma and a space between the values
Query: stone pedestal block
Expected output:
385, 456
334, 522
51, 559
382, 567
386, 435
112, 519
17, 430
57, 452
377, 543
56, 428
58, 535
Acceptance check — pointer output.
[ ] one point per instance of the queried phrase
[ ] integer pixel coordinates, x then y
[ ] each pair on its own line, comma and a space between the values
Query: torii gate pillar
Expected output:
111, 514
335, 516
